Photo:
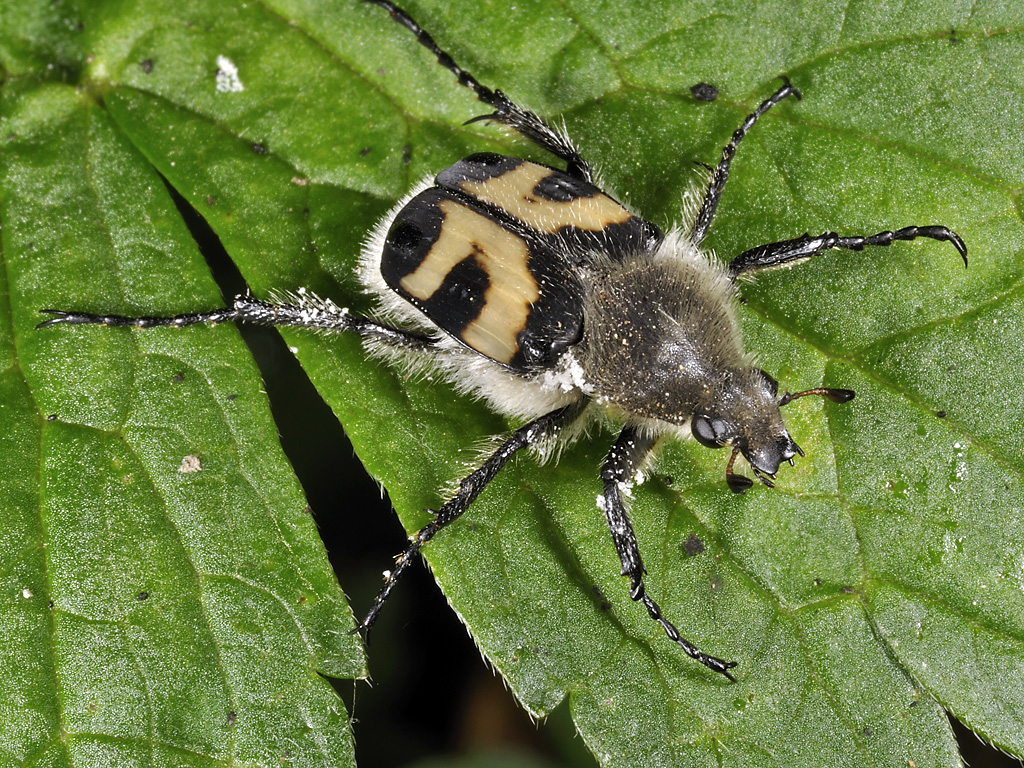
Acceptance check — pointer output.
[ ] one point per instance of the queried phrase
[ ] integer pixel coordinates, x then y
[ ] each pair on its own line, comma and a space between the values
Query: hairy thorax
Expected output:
659, 332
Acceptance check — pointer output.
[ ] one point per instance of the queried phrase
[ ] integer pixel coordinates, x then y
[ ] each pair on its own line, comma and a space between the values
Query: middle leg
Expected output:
720, 173
506, 111
545, 427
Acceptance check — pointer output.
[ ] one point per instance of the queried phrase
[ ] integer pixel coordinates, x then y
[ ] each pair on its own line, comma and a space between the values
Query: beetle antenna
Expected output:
736, 483
834, 395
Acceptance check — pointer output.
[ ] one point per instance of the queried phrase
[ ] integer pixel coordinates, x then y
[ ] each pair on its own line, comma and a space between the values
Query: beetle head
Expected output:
745, 416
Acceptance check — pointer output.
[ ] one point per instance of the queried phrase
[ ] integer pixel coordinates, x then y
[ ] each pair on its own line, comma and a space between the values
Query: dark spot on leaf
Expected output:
693, 545
704, 92
259, 149
143, 596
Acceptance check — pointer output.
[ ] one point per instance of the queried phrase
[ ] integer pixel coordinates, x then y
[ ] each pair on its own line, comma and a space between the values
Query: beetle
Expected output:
532, 288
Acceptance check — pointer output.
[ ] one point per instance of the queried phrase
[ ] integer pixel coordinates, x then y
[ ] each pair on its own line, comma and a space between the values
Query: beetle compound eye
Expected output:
709, 431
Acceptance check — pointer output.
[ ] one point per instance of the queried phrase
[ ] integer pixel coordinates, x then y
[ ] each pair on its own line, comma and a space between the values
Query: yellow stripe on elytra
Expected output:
513, 192
503, 256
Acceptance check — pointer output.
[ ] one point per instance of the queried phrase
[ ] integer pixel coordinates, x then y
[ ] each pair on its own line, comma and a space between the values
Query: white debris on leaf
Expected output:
228, 80
190, 464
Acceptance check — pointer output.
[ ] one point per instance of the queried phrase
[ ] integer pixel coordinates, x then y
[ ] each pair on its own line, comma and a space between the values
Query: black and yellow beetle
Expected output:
532, 288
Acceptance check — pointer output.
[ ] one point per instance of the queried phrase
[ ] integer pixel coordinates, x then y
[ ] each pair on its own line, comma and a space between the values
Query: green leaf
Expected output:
167, 598
880, 582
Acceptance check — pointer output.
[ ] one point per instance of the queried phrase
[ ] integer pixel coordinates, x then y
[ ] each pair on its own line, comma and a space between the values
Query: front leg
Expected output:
624, 460
805, 246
